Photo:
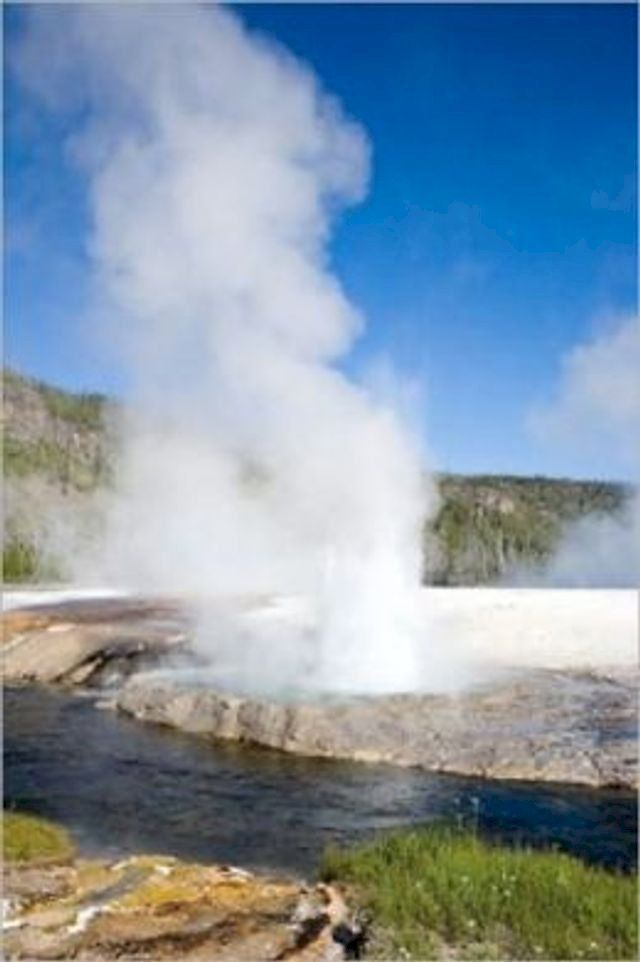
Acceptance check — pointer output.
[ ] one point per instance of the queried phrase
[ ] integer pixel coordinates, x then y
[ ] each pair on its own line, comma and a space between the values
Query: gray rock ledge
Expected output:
569, 727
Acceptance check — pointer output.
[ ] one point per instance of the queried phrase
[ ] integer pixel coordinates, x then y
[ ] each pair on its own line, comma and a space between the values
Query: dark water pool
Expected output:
121, 786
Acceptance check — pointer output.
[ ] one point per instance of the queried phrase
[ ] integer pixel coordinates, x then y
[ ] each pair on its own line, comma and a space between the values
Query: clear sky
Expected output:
499, 230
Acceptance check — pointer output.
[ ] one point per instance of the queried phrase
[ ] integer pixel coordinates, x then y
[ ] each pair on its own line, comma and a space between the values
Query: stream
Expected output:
123, 787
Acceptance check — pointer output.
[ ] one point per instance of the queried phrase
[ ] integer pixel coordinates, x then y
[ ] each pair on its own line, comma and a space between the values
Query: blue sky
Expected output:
499, 229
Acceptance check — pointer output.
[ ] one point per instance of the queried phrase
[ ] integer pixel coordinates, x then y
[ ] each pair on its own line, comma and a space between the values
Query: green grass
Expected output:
444, 893
30, 839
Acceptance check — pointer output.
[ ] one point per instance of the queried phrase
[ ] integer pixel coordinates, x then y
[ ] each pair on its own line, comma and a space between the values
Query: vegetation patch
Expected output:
444, 893
23, 562
84, 410
27, 838
64, 464
20, 561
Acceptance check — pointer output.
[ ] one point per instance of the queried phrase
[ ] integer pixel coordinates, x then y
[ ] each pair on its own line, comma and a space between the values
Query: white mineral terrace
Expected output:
27, 596
538, 627
528, 627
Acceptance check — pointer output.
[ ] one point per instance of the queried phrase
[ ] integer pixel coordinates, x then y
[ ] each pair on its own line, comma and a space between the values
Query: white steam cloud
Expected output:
598, 398
598, 406
253, 466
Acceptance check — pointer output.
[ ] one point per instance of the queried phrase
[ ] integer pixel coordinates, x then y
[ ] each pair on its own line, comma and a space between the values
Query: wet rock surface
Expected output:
554, 726
149, 907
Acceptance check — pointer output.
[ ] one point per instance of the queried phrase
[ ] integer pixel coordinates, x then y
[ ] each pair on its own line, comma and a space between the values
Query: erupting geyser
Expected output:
253, 466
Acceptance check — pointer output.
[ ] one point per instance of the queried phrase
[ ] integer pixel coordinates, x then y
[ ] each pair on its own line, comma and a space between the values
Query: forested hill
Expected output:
60, 450
488, 524
64, 438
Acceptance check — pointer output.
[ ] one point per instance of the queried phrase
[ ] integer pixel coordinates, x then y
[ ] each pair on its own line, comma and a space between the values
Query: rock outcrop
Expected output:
540, 725
93, 642
148, 907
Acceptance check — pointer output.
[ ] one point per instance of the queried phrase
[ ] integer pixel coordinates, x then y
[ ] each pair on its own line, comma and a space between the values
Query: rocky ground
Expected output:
542, 724
577, 728
95, 642
160, 908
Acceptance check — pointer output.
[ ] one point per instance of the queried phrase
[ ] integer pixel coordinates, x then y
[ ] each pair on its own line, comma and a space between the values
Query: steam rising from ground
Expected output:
598, 405
253, 466
599, 552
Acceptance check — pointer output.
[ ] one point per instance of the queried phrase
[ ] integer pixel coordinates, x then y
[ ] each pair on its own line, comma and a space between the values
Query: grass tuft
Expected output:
444, 893
27, 838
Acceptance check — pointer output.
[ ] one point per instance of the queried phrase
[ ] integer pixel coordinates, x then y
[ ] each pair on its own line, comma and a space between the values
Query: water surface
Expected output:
122, 786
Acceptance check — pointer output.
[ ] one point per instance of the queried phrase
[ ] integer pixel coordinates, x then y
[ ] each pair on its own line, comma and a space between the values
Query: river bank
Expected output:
120, 786
435, 893
547, 700
60, 905
202, 792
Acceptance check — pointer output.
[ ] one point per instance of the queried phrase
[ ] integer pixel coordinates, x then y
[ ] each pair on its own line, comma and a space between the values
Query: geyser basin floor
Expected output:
535, 723
543, 725
125, 787
536, 627
523, 627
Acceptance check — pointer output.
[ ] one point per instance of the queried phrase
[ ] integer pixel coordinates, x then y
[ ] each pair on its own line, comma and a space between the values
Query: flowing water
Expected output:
122, 786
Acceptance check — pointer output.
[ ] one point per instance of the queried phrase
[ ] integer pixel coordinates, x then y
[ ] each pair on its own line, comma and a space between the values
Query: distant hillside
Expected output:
66, 438
487, 525
58, 455
60, 452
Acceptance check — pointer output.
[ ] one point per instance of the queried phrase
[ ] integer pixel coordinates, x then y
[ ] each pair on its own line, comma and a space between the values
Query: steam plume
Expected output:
253, 466
597, 405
